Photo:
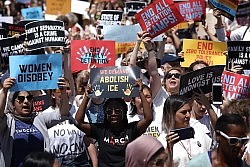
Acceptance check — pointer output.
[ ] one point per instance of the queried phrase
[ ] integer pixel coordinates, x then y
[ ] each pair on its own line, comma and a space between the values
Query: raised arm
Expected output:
80, 114
7, 84
148, 115
132, 61
64, 105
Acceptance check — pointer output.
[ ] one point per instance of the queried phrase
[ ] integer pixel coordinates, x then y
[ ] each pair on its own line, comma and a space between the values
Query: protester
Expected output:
115, 133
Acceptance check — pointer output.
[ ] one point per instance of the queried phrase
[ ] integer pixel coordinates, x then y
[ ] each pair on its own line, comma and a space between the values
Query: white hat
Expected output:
7, 2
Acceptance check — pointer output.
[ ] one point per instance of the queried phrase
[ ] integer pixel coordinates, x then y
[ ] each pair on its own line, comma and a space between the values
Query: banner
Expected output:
235, 86
209, 51
111, 17
192, 9
239, 53
35, 72
55, 7
158, 17
113, 32
41, 103
86, 54
41, 34
133, 7
34, 13
3, 33
13, 29
228, 7
114, 82
202, 78
11, 46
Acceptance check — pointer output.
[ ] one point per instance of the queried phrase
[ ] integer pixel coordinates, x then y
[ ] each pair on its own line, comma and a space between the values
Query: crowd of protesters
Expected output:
115, 132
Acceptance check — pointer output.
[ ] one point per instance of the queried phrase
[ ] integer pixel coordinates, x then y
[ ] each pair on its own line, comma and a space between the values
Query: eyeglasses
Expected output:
117, 111
176, 75
22, 98
234, 140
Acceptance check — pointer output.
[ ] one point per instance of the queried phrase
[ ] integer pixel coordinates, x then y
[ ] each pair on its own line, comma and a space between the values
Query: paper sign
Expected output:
158, 17
111, 17
114, 82
6, 19
86, 54
55, 7
23, 1
235, 86
124, 47
41, 34
13, 29
133, 7
208, 51
202, 78
34, 13
80, 7
239, 53
35, 72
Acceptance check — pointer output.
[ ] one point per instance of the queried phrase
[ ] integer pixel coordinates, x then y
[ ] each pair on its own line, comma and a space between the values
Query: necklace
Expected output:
188, 152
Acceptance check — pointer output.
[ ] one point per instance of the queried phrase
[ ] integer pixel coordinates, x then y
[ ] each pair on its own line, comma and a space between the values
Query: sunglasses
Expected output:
176, 75
234, 140
117, 111
22, 98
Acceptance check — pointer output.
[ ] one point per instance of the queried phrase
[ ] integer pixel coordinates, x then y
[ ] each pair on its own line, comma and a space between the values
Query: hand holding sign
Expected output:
8, 83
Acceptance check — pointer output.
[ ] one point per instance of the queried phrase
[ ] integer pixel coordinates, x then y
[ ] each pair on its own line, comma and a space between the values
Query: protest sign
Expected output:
228, 7
239, 53
34, 13
181, 26
124, 47
41, 103
35, 72
23, 1
133, 7
202, 78
209, 51
114, 82
113, 32
11, 46
44, 33
13, 29
86, 54
3, 33
80, 7
55, 7
192, 9
111, 17
235, 85
6, 19
158, 17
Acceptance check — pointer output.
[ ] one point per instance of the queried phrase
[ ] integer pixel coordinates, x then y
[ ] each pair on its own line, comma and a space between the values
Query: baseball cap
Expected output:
170, 57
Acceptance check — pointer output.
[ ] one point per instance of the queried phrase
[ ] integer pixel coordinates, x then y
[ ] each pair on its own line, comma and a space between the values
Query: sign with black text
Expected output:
202, 78
114, 82
133, 7
41, 34
111, 17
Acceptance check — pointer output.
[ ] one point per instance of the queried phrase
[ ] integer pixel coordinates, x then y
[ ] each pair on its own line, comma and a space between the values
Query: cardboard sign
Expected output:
239, 53
3, 33
41, 103
55, 7
202, 78
111, 17
208, 51
228, 7
235, 86
11, 46
133, 7
86, 54
34, 13
35, 72
114, 82
41, 34
158, 17
13, 29
23, 1
192, 9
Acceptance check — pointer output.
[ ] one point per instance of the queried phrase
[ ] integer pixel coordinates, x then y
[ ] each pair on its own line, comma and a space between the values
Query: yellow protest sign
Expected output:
209, 51
55, 7
180, 26
124, 47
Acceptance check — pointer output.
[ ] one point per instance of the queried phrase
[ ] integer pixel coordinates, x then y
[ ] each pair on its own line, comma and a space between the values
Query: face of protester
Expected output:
138, 102
198, 109
23, 104
182, 117
114, 113
229, 150
173, 81
158, 160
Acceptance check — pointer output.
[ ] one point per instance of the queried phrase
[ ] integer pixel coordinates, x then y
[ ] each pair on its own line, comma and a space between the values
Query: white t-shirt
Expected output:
237, 35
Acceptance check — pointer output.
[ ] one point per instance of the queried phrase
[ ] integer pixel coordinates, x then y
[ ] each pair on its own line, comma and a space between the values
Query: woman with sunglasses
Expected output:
21, 131
115, 133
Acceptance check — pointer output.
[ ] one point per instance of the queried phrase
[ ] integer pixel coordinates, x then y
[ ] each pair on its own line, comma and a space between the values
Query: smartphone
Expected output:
217, 93
184, 133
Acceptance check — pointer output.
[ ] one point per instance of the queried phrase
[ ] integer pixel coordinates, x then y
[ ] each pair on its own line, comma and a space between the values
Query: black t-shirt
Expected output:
112, 146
